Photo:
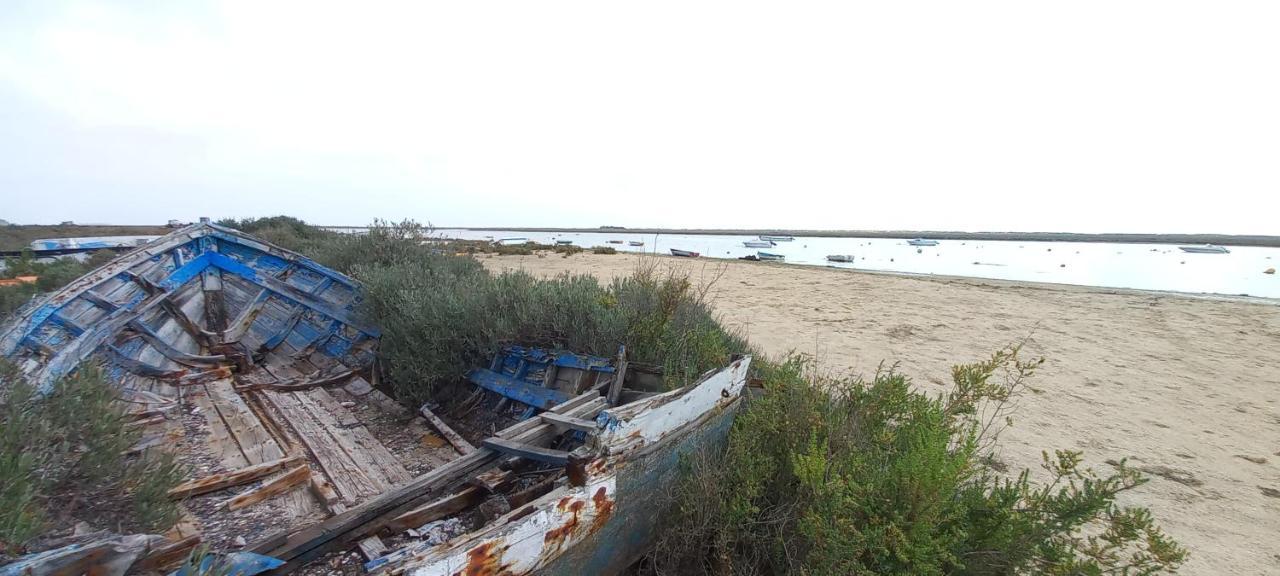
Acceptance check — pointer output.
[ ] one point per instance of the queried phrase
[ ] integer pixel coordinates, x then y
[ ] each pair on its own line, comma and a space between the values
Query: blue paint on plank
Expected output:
186, 272
286, 291
523, 392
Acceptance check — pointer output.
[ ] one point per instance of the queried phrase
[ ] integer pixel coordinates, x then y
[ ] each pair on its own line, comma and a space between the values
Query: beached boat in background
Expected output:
922, 242
614, 241
1206, 249
840, 258
759, 244
635, 243
511, 241
684, 253
776, 238
564, 242
770, 256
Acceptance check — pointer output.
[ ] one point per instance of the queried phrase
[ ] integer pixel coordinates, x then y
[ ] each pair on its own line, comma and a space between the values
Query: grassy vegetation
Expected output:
838, 476
63, 454
441, 313
52, 275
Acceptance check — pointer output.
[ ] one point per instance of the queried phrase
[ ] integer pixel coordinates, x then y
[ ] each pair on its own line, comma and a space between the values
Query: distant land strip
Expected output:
1223, 239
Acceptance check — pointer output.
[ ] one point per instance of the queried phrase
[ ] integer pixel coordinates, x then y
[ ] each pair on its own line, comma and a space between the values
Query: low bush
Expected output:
73, 441
831, 476
603, 250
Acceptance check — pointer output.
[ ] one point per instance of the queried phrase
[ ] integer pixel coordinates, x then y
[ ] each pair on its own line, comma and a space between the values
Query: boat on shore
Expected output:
771, 238
1206, 249
511, 241
635, 243
613, 241
684, 253
840, 258
759, 244
771, 257
922, 242
563, 242
235, 326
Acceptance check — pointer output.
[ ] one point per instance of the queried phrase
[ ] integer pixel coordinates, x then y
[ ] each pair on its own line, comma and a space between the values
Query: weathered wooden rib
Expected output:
173, 353
528, 451
235, 332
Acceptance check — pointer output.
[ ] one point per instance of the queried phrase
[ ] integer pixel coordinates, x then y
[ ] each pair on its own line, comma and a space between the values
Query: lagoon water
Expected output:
1141, 266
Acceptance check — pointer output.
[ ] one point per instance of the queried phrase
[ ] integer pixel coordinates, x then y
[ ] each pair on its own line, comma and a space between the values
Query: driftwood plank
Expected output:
459, 443
536, 453
569, 422
352, 483
217, 482
437, 509
273, 487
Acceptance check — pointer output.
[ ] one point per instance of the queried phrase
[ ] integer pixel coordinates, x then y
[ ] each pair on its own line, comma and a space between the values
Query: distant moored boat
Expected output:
770, 256
564, 242
511, 241
1206, 249
768, 238
759, 244
922, 242
684, 253
840, 258
635, 243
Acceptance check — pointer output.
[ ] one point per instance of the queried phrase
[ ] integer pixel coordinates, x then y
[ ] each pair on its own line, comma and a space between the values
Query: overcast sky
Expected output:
1125, 116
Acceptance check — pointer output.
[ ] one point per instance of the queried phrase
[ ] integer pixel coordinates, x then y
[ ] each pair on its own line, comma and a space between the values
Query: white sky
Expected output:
1137, 116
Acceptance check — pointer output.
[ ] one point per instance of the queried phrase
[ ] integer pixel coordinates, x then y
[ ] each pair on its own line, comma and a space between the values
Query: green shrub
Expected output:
73, 440
827, 476
603, 250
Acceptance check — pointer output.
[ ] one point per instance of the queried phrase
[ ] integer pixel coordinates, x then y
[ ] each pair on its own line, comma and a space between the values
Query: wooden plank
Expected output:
361, 520
459, 443
372, 547
522, 392
220, 441
529, 451
356, 441
437, 509
569, 423
351, 482
255, 442
273, 487
225, 480
324, 492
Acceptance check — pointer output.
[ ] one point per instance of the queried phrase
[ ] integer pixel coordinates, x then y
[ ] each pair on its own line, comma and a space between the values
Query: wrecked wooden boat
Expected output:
253, 363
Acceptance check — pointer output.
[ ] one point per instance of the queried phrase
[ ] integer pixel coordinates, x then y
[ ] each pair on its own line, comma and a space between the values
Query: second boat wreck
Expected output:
251, 362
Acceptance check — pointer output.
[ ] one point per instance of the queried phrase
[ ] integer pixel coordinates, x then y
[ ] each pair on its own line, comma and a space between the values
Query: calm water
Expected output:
1143, 266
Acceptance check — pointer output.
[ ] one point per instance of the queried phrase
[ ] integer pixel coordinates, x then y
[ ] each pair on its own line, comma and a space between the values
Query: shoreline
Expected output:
1256, 240
1181, 385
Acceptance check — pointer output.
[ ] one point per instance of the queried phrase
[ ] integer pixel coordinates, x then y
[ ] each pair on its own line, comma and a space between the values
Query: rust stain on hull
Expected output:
486, 560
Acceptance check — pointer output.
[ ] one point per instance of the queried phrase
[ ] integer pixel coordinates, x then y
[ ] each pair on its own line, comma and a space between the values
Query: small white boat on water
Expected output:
922, 242
635, 243
564, 242
768, 238
759, 244
770, 256
1206, 249
840, 258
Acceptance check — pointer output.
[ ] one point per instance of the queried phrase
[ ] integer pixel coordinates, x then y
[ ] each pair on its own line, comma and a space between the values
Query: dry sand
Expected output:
1186, 388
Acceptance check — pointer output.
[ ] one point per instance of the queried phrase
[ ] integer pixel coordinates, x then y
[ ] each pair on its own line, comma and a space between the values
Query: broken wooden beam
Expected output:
528, 451
217, 482
493, 480
324, 492
372, 547
569, 422
459, 443
167, 557
362, 520
615, 387
437, 509
274, 487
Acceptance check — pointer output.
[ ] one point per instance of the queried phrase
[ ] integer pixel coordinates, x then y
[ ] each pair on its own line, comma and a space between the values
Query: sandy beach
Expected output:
1187, 388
